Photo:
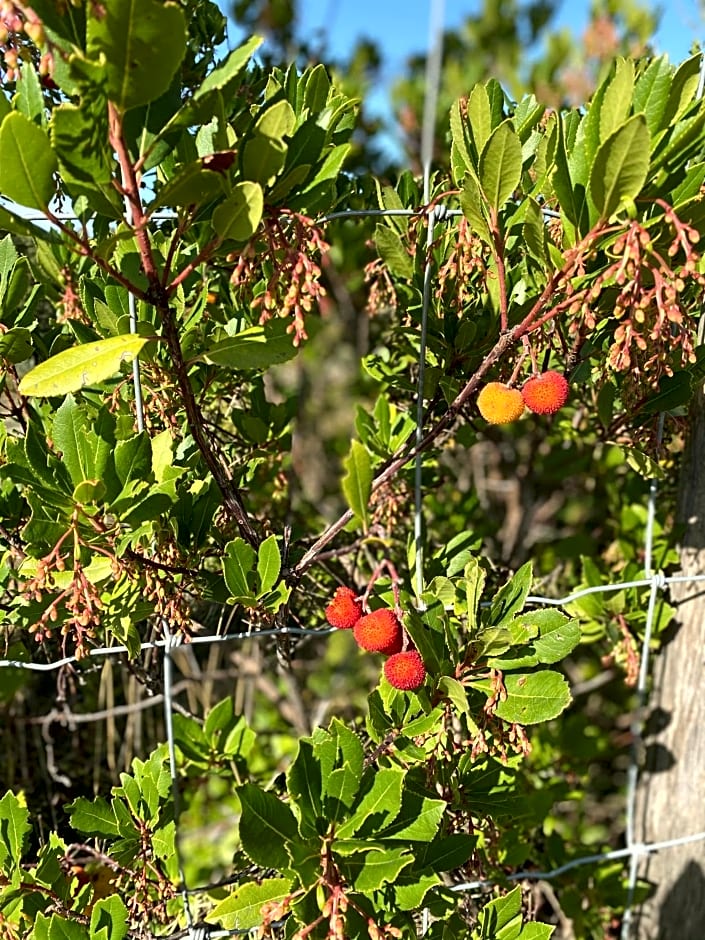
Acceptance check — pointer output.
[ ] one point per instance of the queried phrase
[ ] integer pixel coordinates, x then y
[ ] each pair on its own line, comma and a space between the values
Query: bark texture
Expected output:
672, 786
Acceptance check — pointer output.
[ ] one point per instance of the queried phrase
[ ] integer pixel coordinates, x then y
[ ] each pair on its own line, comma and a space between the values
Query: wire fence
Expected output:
656, 581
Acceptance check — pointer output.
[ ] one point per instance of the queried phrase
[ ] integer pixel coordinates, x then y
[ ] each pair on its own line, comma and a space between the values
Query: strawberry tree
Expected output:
167, 256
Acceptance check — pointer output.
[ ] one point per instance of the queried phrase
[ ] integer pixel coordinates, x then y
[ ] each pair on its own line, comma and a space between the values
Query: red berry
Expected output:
344, 610
544, 394
379, 632
405, 671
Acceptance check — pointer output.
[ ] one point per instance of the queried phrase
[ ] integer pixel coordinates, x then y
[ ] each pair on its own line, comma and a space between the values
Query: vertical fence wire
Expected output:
434, 59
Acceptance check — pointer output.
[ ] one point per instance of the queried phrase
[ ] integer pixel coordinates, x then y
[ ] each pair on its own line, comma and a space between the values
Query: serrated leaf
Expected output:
143, 42
14, 827
501, 918
241, 911
269, 563
392, 251
372, 870
357, 482
80, 366
621, 166
93, 817
500, 165
379, 805
28, 163
266, 825
239, 215
534, 697
109, 919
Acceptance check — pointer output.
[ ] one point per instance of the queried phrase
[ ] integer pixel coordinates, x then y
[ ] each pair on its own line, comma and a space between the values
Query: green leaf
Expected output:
304, 784
500, 919
379, 805
411, 887
374, 869
28, 163
357, 482
263, 159
29, 98
479, 119
418, 819
269, 563
266, 825
471, 202
257, 347
241, 911
617, 98
93, 817
392, 251
621, 166
651, 92
536, 932
557, 636
277, 121
79, 138
238, 563
191, 186
143, 42
79, 366
62, 929
16, 344
475, 577
109, 919
221, 81
14, 827
510, 598
69, 434
534, 697
500, 165
240, 214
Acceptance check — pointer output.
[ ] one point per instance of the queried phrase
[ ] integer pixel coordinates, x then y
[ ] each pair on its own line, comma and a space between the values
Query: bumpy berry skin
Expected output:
379, 632
405, 671
344, 610
544, 394
499, 404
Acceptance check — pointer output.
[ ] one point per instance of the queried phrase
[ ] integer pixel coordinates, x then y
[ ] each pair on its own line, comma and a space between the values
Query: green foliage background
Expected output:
273, 460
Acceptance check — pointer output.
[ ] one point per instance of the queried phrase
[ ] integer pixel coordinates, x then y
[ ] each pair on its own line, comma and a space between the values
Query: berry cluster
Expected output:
543, 394
378, 632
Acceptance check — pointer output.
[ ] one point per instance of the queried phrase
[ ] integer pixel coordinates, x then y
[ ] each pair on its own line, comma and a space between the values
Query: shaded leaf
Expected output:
143, 42
28, 163
240, 214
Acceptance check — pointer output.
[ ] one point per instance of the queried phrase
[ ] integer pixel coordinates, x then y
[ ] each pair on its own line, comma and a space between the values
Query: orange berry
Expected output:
344, 610
544, 394
379, 632
405, 671
500, 404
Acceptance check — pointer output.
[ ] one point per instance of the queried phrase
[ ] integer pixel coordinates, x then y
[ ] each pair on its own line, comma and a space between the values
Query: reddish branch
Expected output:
158, 295
534, 319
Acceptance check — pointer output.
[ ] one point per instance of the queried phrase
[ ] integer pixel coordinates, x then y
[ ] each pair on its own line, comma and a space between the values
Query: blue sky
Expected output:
401, 27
